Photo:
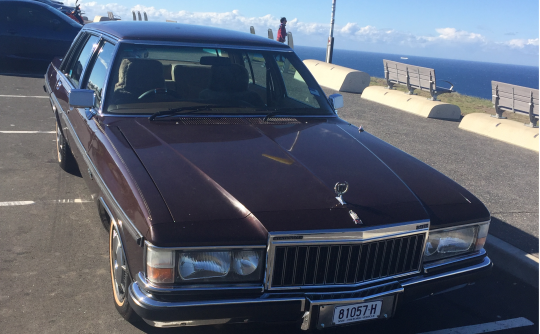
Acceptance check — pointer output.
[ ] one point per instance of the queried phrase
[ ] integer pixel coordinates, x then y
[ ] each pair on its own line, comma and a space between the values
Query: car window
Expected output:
99, 71
151, 78
256, 65
294, 83
75, 69
37, 16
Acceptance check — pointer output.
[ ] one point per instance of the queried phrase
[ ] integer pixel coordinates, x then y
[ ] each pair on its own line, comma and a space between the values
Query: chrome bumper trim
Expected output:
307, 305
147, 301
445, 262
419, 280
186, 323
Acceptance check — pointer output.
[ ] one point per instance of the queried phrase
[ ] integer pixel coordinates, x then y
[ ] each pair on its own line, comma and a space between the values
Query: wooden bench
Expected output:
507, 97
414, 77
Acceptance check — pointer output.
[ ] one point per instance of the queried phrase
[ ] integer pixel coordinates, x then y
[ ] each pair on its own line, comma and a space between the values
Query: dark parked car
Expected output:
58, 5
33, 30
233, 192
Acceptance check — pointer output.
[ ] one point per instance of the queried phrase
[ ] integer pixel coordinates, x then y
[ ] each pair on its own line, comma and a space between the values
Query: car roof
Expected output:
177, 32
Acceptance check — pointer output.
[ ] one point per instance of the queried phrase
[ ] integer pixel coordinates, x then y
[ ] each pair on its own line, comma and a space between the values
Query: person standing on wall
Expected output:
282, 33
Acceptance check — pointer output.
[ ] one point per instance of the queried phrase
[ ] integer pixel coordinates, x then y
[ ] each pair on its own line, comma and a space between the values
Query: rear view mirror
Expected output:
81, 98
336, 100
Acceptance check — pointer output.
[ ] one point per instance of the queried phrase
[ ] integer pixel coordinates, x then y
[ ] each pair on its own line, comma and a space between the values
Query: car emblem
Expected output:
340, 188
355, 217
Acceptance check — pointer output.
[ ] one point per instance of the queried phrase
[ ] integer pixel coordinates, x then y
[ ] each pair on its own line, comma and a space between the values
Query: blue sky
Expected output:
481, 30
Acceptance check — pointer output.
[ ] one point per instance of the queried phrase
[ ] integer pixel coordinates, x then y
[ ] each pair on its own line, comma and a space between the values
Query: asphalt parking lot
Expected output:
54, 249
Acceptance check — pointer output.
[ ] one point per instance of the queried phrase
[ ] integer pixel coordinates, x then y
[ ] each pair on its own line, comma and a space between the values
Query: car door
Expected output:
69, 78
7, 36
84, 124
36, 32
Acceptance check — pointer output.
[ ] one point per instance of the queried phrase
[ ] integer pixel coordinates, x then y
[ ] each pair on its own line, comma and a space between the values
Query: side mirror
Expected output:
81, 98
336, 100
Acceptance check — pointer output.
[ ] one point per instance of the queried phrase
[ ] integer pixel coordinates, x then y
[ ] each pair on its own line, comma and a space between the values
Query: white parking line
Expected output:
27, 131
487, 327
17, 203
37, 97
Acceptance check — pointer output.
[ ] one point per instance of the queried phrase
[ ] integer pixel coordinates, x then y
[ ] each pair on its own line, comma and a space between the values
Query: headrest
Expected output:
215, 60
138, 75
229, 78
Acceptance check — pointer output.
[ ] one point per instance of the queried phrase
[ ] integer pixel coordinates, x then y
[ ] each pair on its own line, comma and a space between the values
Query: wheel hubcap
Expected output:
119, 271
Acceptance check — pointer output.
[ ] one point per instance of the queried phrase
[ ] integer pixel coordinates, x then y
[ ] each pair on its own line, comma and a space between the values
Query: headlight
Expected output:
454, 242
194, 265
245, 262
204, 266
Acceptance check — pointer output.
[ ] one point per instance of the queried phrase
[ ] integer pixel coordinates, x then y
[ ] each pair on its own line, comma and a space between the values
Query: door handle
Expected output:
11, 31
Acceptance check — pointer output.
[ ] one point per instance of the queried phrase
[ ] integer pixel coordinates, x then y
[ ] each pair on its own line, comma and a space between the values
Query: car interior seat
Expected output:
190, 80
229, 85
135, 77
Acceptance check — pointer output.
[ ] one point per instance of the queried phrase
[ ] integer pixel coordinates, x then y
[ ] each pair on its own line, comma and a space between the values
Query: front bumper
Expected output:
313, 309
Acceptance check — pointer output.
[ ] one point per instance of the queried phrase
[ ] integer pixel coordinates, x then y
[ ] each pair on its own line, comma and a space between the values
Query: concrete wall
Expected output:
505, 130
339, 78
413, 104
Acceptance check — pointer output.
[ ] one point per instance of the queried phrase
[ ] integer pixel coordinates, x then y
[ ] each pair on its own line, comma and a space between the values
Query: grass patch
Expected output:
467, 104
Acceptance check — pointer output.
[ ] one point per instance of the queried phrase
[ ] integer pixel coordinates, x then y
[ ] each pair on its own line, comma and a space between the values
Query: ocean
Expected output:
469, 77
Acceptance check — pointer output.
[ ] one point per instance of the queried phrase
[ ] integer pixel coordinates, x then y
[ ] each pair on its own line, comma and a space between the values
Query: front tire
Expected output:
120, 277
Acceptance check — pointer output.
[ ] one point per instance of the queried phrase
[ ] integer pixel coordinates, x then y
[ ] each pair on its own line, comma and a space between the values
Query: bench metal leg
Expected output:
498, 110
532, 117
499, 113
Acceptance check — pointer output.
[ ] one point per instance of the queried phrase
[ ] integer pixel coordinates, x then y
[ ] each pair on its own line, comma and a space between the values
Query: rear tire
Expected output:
120, 277
63, 153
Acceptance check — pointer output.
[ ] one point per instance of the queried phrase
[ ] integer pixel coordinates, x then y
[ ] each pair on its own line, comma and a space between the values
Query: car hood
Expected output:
280, 173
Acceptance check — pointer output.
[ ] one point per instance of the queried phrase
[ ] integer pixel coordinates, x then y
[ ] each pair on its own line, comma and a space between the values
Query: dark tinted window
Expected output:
75, 69
99, 71
37, 16
6, 12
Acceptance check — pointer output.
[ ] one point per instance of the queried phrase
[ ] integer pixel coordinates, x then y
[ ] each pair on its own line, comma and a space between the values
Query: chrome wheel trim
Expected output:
119, 268
59, 144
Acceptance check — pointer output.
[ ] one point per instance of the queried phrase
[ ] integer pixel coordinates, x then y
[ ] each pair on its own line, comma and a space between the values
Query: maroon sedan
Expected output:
234, 193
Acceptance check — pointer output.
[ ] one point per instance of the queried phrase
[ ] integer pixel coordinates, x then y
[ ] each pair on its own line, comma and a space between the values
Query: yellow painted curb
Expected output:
413, 104
505, 130
339, 78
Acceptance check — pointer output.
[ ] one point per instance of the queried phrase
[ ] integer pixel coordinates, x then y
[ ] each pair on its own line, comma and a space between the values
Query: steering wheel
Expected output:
157, 91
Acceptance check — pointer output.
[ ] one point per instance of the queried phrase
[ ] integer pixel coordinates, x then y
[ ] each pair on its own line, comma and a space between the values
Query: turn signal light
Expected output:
160, 275
482, 235
159, 265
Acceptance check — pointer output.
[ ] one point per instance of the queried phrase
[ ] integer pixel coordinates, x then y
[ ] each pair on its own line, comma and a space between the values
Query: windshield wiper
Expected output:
191, 109
277, 112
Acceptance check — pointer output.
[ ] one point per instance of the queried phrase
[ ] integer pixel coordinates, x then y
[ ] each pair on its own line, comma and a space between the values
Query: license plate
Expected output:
357, 312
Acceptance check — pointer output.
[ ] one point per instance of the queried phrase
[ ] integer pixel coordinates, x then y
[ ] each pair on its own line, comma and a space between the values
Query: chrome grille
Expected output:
338, 264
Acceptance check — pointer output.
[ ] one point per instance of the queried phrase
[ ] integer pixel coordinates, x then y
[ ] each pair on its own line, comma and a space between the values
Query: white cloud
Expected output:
522, 43
447, 42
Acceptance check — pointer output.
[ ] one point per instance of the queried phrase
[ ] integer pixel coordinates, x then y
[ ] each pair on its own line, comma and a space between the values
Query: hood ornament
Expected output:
340, 188
355, 217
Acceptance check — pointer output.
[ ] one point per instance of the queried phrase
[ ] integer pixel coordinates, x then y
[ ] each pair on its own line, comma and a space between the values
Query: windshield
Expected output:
148, 79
